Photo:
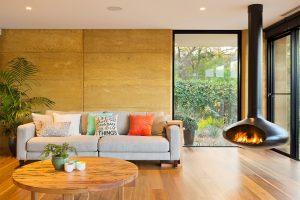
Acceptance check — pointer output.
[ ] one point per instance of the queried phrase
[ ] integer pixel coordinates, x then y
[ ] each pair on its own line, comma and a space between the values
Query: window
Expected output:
206, 84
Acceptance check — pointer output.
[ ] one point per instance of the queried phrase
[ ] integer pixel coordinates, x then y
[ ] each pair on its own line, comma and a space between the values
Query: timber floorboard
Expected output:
204, 173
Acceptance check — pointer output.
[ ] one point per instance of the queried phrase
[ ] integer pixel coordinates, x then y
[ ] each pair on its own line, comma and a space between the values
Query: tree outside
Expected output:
206, 90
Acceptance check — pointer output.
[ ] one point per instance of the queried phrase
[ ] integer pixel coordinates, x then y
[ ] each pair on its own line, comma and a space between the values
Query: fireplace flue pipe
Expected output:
255, 60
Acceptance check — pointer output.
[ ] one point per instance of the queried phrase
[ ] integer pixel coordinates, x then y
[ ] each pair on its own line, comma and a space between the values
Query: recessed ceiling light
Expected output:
28, 8
202, 8
114, 8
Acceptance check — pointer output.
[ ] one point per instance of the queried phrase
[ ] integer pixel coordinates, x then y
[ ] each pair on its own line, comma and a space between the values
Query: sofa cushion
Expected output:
58, 129
123, 121
106, 125
159, 122
140, 125
38, 119
80, 142
73, 118
91, 122
83, 120
140, 144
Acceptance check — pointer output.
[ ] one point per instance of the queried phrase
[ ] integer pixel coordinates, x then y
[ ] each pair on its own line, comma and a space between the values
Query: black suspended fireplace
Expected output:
255, 131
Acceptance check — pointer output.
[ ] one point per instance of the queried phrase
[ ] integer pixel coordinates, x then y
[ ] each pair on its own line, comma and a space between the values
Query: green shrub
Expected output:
213, 131
205, 97
210, 121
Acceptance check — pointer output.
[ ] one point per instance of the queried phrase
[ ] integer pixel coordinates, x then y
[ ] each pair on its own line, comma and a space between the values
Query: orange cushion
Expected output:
140, 124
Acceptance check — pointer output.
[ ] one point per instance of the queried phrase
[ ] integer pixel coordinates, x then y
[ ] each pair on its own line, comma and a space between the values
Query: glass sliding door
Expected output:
281, 94
298, 77
284, 80
206, 82
284, 88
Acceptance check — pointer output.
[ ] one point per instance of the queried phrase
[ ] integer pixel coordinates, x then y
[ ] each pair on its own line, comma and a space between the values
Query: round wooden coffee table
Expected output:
100, 174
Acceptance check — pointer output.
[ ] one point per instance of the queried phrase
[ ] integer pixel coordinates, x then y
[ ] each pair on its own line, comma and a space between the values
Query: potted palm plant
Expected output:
59, 154
190, 126
15, 104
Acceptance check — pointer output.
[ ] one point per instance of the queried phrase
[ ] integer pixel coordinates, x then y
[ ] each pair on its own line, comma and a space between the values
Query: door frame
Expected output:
294, 90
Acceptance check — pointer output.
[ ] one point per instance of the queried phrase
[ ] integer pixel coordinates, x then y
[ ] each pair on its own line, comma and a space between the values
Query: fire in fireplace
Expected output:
248, 137
255, 131
246, 134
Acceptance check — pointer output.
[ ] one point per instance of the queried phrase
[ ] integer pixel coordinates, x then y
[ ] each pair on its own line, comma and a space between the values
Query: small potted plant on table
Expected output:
59, 154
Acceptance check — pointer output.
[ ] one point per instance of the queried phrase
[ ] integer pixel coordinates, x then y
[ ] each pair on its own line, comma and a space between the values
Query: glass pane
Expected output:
299, 82
206, 82
282, 81
282, 116
282, 65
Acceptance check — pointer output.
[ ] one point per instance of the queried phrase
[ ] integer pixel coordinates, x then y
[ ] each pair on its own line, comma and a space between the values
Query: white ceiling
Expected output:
170, 14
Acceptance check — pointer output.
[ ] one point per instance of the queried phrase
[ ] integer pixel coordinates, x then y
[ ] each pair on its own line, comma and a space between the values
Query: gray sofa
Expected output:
160, 146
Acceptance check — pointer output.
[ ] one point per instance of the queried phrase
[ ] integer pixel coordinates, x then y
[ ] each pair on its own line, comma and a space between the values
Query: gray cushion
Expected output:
125, 143
80, 142
122, 122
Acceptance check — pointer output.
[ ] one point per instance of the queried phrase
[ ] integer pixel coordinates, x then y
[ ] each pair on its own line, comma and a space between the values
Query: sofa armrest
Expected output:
175, 122
24, 133
173, 135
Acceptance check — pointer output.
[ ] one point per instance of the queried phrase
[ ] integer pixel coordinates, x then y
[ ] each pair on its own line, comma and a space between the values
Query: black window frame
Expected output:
290, 26
239, 59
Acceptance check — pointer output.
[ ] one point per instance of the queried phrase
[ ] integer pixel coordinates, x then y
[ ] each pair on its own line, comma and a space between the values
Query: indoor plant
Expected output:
15, 104
59, 154
190, 126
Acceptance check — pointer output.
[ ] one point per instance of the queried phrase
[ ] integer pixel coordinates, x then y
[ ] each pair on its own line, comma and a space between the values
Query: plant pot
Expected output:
58, 162
188, 137
12, 145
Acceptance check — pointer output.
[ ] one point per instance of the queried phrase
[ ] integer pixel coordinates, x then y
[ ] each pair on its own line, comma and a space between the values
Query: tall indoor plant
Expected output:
15, 104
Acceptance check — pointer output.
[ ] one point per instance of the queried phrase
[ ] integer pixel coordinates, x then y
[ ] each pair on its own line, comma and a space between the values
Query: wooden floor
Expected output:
205, 173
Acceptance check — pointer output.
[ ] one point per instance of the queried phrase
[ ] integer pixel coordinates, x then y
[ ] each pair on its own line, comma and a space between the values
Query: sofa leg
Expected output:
179, 162
21, 163
176, 162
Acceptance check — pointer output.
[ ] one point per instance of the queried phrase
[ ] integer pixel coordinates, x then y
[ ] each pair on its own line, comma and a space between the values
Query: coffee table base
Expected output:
121, 193
84, 196
34, 196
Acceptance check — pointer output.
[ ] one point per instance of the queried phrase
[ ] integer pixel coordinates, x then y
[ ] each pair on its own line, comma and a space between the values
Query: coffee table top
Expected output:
100, 174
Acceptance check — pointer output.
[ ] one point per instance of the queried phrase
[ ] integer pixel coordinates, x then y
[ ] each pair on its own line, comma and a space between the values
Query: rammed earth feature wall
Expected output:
120, 70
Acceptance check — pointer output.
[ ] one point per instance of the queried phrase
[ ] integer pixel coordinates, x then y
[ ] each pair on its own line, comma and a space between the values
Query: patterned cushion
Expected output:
106, 125
73, 118
58, 129
37, 119
91, 121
